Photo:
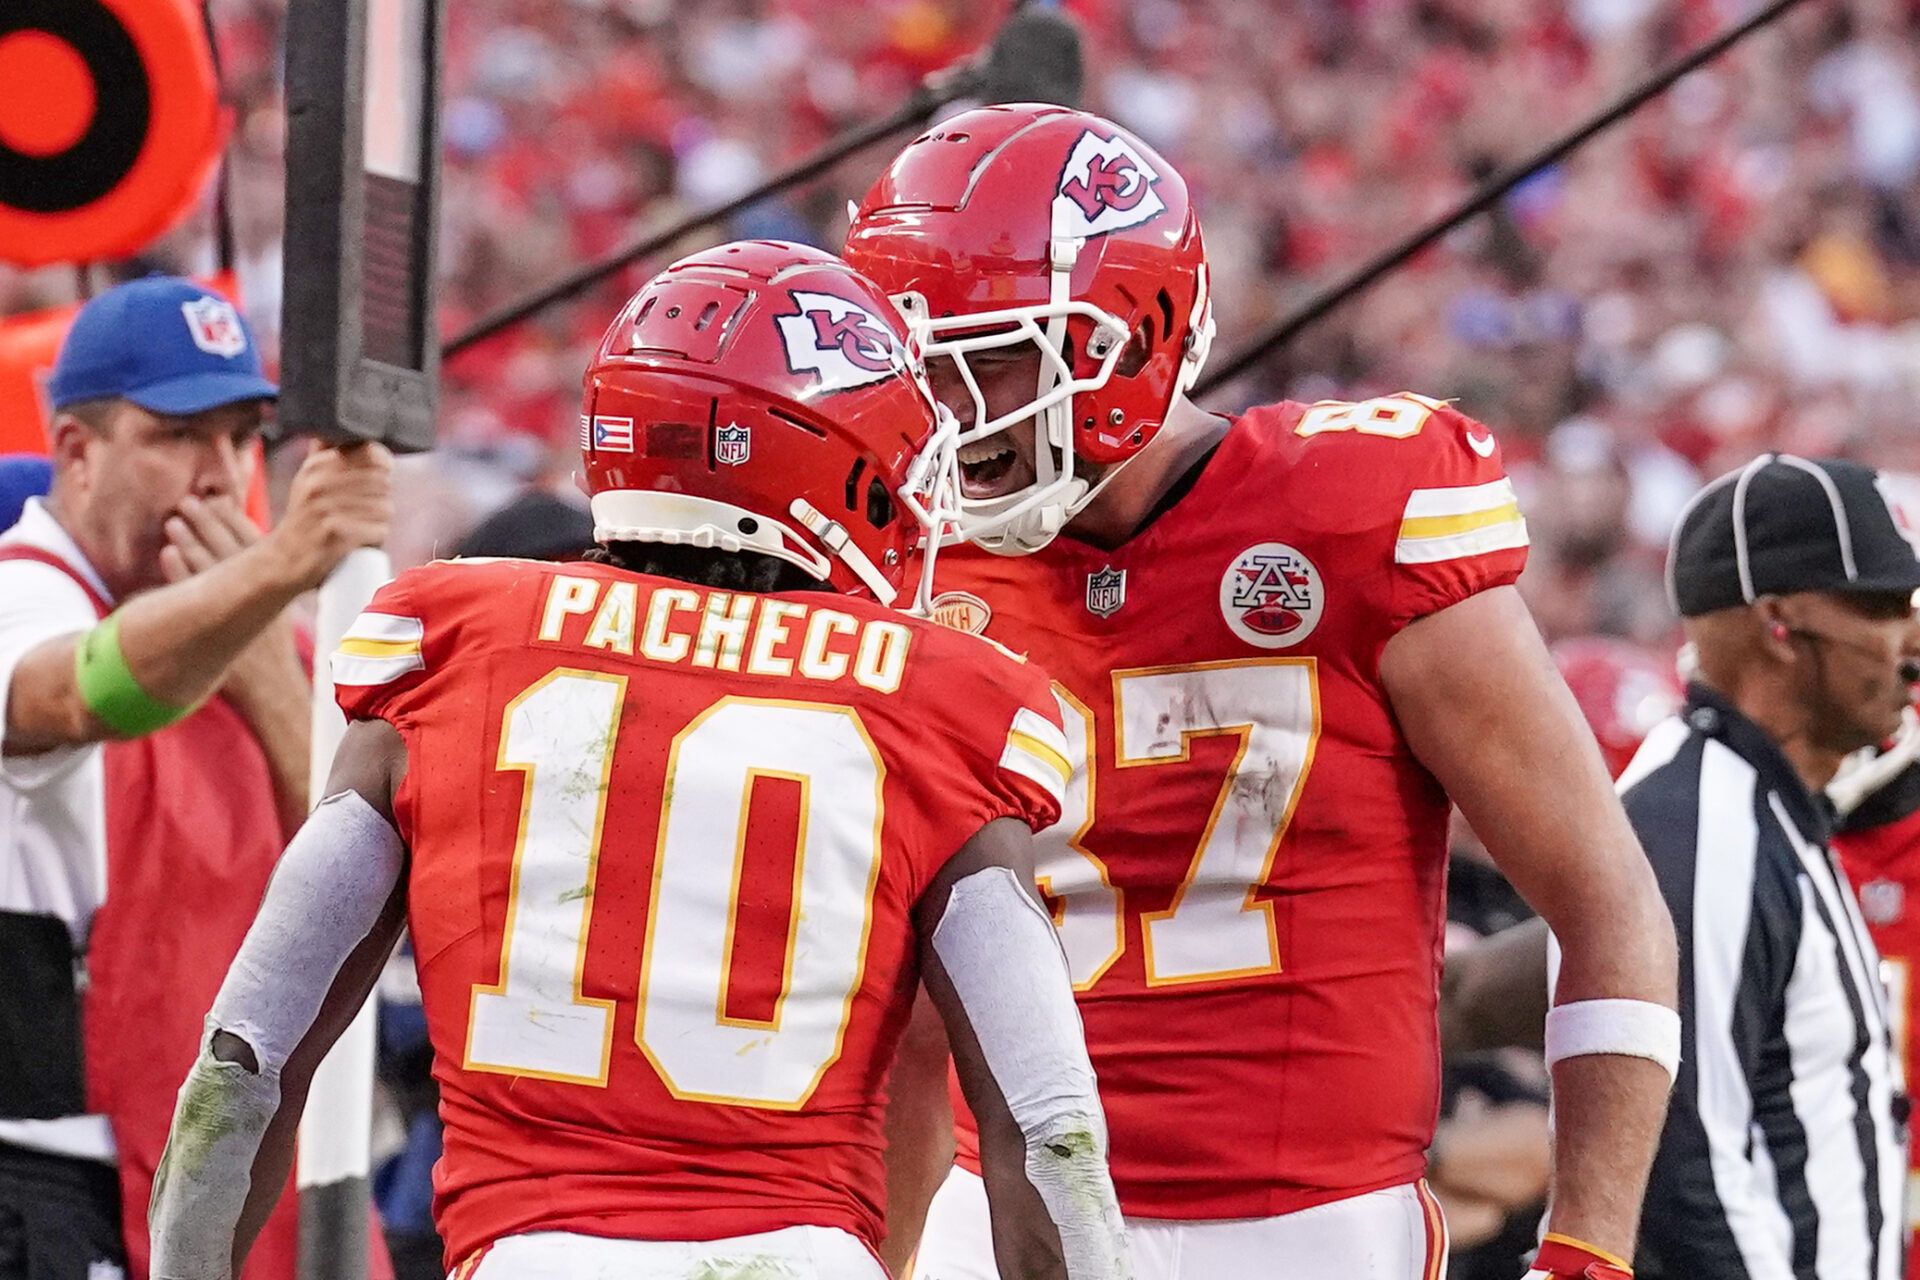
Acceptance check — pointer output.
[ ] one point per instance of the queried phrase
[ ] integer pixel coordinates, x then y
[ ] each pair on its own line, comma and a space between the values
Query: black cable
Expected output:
1486, 195
1034, 57
910, 115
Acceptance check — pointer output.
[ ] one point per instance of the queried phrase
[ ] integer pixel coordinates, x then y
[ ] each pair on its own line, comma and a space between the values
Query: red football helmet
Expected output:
763, 397
1011, 225
1623, 691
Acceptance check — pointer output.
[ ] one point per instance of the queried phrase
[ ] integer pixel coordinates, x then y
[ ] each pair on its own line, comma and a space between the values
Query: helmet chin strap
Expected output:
1033, 530
833, 535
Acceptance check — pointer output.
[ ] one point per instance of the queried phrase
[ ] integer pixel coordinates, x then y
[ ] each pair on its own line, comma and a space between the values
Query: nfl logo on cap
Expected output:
732, 444
215, 326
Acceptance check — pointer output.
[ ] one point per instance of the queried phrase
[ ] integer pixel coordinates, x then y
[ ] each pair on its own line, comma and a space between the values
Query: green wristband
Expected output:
109, 689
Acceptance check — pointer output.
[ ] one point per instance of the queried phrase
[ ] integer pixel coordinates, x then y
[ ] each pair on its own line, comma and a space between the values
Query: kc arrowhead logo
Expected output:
1107, 185
840, 340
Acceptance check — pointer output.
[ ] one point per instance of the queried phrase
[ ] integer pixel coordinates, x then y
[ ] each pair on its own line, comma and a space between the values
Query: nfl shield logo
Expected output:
215, 326
1106, 591
732, 444
1883, 901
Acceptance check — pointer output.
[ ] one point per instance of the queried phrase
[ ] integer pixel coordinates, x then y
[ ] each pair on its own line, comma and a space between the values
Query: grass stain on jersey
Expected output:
1269, 787
575, 895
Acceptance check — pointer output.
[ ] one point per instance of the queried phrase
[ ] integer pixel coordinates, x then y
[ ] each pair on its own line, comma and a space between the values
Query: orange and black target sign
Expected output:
109, 123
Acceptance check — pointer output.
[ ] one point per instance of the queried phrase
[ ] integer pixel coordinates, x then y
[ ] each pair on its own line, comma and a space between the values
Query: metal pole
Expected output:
336, 1141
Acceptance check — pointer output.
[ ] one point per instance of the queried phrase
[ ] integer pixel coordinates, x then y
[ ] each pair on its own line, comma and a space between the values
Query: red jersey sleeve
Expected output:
409, 631
1460, 527
1008, 752
1031, 773
383, 655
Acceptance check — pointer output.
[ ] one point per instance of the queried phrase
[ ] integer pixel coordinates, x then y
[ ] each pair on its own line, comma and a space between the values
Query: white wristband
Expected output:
1630, 1028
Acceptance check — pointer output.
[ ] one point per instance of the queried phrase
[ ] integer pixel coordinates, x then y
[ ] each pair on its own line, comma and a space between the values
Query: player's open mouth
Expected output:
988, 467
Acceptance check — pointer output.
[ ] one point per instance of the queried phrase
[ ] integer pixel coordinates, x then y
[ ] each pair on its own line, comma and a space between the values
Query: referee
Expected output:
1783, 1157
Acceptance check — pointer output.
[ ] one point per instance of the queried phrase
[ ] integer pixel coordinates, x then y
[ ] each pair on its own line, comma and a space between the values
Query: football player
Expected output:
1281, 641
676, 832
1877, 795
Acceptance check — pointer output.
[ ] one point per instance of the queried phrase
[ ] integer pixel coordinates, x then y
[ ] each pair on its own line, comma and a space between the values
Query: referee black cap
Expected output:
1782, 524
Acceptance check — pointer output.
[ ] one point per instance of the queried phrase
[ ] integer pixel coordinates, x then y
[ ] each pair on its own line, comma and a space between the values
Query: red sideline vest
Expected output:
192, 836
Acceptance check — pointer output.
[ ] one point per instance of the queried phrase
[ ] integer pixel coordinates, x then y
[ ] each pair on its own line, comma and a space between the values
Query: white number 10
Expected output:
536, 1022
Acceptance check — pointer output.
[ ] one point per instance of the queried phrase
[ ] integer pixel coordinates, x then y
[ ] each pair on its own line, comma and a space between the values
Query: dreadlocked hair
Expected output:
707, 567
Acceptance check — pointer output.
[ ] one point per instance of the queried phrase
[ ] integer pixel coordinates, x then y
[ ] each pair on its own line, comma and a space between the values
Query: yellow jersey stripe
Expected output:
1045, 752
1041, 773
1459, 500
1505, 536
1443, 526
356, 647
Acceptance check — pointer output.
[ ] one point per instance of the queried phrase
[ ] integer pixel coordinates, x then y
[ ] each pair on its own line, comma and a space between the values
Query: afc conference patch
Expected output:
1271, 596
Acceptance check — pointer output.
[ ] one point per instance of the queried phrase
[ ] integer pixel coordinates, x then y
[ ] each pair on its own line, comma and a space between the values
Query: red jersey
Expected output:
1249, 878
665, 841
1879, 845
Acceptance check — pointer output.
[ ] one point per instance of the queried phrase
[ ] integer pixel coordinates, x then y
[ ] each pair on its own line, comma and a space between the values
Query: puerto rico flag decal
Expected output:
612, 435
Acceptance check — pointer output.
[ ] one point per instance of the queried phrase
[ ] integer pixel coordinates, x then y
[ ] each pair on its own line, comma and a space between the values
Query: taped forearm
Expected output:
326, 896
206, 1171
1001, 954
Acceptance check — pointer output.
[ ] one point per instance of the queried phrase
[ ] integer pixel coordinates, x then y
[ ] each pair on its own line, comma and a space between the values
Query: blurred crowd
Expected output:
1736, 267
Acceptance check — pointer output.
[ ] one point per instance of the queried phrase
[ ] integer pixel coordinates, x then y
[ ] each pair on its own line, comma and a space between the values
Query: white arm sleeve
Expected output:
1004, 959
325, 898
38, 603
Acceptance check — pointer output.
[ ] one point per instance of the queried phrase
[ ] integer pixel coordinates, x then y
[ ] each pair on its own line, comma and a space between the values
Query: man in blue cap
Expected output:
153, 747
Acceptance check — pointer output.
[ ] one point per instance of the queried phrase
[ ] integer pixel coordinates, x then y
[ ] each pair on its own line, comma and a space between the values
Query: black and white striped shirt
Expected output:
1782, 1158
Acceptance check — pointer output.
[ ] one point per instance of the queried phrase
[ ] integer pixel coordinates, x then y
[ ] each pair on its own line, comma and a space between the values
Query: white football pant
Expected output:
795, 1253
1396, 1234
